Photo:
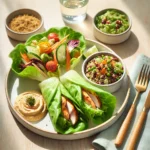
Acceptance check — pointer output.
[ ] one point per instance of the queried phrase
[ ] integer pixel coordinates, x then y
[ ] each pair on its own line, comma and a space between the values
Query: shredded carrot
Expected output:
46, 48
103, 71
55, 59
57, 44
104, 62
67, 59
25, 57
113, 63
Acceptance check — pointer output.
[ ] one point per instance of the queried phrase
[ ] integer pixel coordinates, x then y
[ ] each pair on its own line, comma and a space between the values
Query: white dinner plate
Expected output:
16, 85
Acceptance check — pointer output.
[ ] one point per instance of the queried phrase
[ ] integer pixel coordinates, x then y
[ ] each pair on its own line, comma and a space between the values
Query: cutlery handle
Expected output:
124, 127
136, 131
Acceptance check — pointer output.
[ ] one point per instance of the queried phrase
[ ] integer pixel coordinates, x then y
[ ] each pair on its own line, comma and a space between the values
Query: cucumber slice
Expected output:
45, 57
32, 49
90, 51
61, 54
33, 56
44, 39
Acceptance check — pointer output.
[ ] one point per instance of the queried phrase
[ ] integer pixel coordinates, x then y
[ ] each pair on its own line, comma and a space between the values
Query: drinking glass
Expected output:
73, 11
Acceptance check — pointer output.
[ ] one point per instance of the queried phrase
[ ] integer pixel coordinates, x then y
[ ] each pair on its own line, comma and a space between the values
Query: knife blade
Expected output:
138, 127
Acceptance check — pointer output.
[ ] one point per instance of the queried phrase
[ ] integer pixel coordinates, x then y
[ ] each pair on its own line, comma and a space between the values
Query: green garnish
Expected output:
91, 69
31, 101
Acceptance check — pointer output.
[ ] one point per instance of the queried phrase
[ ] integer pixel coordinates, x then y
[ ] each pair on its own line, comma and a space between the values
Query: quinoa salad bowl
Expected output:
105, 70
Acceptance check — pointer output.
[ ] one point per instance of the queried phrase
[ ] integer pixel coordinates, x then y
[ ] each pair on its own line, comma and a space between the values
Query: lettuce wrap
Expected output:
75, 84
44, 56
30, 71
53, 91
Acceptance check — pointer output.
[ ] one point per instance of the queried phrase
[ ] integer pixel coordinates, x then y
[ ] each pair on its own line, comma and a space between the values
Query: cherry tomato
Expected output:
53, 36
51, 66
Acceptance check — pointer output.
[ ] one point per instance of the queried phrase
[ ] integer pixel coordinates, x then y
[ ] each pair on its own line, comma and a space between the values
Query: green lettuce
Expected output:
30, 71
52, 90
62, 32
74, 83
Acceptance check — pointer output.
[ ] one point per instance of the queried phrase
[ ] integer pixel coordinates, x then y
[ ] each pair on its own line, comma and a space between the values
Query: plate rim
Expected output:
55, 135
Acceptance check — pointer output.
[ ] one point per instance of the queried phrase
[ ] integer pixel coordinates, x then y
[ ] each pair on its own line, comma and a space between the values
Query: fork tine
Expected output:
139, 76
144, 75
147, 75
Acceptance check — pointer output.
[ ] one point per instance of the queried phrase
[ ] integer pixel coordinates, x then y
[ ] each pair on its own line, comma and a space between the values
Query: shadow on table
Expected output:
84, 27
14, 42
127, 48
48, 143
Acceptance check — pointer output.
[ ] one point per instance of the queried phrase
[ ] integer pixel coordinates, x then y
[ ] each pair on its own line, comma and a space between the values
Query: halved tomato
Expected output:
53, 36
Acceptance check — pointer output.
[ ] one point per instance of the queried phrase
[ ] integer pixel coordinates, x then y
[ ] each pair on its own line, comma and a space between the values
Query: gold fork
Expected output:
140, 85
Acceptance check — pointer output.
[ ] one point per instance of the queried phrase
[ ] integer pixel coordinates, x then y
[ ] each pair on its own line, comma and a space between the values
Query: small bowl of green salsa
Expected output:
112, 26
105, 70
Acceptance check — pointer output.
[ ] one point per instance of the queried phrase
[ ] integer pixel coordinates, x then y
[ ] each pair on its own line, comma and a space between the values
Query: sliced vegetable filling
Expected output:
48, 54
104, 69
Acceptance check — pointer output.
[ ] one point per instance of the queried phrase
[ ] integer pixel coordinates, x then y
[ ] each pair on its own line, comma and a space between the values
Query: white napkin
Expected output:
105, 140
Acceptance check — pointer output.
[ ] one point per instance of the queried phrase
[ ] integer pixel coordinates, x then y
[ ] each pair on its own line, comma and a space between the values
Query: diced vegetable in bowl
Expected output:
112, 22
105, 70
112, 26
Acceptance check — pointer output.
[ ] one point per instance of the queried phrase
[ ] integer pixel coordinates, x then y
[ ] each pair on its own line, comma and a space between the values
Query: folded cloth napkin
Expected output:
105, 140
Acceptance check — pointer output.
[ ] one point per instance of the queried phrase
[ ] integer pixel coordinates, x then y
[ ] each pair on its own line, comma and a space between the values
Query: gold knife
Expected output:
138, 127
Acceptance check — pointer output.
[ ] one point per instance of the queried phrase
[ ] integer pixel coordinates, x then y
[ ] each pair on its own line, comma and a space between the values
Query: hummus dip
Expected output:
31, 106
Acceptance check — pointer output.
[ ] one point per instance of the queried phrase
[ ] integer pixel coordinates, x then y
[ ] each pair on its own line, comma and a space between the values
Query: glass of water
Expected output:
73, 11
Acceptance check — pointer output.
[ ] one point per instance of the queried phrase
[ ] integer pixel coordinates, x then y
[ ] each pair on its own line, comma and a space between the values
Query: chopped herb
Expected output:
31, 101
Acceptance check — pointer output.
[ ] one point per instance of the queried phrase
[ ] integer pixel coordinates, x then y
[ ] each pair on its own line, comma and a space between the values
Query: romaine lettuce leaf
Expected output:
30, 71
48, 88
74, 83
62, 32
52, 90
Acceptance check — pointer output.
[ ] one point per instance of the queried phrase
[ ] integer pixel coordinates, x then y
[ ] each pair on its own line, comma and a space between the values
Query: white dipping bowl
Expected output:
111, 38
113, 87
23, 36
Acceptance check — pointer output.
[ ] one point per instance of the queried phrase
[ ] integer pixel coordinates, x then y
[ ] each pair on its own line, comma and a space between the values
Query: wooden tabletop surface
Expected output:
14, 136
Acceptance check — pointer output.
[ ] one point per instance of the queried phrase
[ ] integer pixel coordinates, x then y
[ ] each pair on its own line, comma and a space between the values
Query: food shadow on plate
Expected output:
122, 94
26, 84
16, 85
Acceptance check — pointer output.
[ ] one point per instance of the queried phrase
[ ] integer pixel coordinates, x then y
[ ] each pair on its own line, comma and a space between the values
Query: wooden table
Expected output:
13, 136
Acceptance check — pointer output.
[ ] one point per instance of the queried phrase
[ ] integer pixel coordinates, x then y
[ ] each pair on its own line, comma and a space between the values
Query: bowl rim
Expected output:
18, 10
108, 34
99, 53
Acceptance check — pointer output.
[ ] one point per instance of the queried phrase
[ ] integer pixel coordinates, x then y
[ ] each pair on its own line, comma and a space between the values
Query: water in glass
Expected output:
73, 11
